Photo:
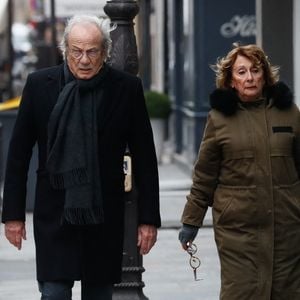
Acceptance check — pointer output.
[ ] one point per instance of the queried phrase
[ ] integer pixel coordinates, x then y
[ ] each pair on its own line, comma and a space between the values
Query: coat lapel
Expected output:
112, 91
53, 87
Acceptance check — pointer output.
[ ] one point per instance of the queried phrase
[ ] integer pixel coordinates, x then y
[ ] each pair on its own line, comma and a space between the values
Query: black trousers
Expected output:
62, 290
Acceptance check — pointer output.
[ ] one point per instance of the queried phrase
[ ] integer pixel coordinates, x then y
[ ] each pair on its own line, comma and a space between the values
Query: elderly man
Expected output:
82, 115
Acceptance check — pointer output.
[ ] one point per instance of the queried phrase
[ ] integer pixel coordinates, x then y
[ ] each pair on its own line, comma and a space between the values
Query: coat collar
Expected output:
227, 101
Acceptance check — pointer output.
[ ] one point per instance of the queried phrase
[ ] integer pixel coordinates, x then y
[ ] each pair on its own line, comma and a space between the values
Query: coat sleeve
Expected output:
18, 159
144, 162
297, 143
205, 177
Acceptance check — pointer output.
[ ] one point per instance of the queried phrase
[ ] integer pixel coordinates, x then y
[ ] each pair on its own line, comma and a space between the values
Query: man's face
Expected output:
84, 51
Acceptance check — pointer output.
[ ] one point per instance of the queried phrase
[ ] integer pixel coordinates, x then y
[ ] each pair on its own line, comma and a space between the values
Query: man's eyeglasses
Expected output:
78, 54
194, 260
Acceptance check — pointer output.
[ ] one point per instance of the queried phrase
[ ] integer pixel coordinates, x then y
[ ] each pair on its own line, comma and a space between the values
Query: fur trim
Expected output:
281, 94
226, 100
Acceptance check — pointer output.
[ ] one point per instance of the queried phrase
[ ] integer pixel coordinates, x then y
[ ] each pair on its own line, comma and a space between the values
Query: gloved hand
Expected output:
187, 234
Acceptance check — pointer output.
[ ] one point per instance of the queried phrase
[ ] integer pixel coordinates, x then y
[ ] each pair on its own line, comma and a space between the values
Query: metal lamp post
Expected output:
124, 57
124, 51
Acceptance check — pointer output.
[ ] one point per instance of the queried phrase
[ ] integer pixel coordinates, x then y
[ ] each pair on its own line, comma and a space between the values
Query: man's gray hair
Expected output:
102, 24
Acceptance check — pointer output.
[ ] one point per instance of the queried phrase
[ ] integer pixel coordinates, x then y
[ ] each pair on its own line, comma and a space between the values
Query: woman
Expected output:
248, 170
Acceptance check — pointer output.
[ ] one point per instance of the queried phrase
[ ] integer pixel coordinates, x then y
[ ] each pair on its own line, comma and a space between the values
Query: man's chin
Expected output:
85, 75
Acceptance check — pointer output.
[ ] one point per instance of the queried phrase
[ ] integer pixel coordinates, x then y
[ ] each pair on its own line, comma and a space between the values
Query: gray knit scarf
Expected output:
73, 148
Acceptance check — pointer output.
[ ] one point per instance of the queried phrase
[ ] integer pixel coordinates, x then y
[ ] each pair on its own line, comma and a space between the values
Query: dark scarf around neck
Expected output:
73, 148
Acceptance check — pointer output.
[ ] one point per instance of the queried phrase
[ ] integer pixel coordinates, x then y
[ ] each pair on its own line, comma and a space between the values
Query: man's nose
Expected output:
84, 59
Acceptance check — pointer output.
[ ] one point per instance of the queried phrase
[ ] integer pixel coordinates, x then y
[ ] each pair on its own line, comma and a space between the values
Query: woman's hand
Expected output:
187, 234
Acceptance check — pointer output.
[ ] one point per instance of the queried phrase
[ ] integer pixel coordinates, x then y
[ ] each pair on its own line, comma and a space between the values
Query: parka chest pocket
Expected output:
282, 129
282, 137
284, 170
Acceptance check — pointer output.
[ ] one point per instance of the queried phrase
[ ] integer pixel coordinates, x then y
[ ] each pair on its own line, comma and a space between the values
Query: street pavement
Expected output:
168, 275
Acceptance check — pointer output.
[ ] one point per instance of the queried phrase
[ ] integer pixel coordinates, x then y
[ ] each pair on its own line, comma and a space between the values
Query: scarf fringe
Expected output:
68, 179
83, 216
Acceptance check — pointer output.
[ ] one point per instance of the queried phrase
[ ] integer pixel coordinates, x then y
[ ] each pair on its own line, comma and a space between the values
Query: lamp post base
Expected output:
130, 289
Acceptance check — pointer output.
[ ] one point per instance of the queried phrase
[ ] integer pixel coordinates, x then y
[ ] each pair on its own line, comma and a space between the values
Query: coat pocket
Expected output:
283, 163
287, 204
238, 169
235, 206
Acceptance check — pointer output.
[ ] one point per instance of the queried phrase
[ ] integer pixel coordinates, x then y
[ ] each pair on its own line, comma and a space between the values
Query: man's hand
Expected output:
147, 235
15, 231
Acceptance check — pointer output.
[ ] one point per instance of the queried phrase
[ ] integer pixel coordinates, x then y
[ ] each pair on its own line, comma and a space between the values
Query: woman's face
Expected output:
247, 79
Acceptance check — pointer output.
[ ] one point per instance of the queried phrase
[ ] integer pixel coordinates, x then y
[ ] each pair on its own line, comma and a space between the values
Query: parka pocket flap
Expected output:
238, 154
285, 152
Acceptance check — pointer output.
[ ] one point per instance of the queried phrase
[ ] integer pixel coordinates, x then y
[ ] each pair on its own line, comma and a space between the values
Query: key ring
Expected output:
195, 262
192, 248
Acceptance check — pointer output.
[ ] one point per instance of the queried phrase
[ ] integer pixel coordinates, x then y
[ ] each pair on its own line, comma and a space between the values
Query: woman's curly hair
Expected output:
223, 66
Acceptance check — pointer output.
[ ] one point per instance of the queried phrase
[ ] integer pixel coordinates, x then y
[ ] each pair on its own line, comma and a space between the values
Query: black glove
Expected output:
187, 233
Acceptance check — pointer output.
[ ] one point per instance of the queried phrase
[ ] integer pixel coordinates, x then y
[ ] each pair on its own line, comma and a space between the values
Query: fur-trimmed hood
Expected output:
227, 101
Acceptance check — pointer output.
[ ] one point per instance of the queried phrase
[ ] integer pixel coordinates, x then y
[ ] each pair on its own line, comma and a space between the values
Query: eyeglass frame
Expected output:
91, 53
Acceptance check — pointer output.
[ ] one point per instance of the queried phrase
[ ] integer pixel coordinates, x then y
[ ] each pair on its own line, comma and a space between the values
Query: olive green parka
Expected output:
248, 170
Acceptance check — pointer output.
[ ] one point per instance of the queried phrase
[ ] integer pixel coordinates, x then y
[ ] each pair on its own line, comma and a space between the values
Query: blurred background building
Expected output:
177, 41
187, 36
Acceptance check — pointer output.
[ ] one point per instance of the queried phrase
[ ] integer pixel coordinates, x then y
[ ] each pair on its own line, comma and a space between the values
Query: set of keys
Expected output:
194, 260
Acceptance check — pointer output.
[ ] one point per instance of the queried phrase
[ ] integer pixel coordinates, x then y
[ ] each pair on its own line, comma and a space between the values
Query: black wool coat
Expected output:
92, 252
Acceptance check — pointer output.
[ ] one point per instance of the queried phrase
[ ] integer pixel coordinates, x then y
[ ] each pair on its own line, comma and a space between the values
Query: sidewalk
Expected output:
168, 275
174, 187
